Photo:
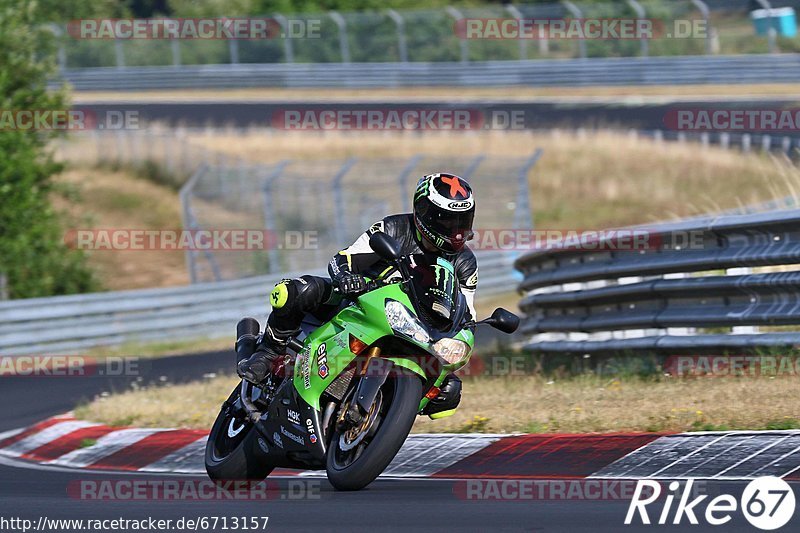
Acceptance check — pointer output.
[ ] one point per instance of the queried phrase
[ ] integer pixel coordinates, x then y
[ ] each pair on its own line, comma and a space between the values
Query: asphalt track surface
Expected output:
305, 505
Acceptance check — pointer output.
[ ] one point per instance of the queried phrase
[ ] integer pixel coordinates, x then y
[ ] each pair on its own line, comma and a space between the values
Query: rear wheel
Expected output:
235, 451
357, 456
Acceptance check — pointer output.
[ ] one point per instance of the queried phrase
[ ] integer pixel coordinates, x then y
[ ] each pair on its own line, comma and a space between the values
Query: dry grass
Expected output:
582, 181
446, 93
519, 404
162, 349
106, 199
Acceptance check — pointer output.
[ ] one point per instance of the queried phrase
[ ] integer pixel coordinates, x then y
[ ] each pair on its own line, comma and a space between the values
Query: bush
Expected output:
33, 255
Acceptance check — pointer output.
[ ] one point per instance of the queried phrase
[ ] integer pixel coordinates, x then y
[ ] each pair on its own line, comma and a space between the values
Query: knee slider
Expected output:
280, 294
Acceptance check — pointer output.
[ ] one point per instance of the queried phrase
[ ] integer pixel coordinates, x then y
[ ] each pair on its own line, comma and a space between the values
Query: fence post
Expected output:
523, 217
725, 139
402, 181
640, 14
473, 166
269, 215
288, 51
344, 44
233, 48
745, 142
119, 53
576, 12
523, 45
703, 8
338, 198
463, 42
187, 219
3, 286
400, 23
176, 52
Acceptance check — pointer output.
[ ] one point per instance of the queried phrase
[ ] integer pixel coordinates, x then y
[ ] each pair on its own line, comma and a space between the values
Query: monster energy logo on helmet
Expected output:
422, 187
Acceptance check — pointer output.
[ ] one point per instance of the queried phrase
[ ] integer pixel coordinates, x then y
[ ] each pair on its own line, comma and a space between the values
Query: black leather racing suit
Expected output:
359, 258
311, 294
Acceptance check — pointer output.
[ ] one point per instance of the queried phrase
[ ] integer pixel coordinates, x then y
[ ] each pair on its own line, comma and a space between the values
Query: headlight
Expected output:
404, 322
451, 350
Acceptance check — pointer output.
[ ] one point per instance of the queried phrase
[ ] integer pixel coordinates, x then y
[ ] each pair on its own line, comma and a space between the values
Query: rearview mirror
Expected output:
385, 246
503, 320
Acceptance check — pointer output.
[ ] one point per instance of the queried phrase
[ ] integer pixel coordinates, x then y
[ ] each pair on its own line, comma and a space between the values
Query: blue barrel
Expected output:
783, 19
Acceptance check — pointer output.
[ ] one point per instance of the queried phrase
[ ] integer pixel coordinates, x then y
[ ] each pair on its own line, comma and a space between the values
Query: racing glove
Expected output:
351, 284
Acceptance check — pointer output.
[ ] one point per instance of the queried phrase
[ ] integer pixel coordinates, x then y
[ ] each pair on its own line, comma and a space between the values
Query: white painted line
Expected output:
723, 451
6, 434
105, 446
660, 445
704, 446
189, 459
759, 452
405, 462
31, 442
781, 458
432, 458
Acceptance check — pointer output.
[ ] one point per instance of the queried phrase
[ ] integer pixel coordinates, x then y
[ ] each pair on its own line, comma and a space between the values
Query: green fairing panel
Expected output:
327, 351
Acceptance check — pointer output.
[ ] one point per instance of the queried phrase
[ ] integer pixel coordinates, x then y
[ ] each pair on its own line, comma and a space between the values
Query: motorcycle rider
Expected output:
440, 225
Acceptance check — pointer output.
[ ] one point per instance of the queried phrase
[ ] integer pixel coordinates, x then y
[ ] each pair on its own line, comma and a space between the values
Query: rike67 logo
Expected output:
768, 503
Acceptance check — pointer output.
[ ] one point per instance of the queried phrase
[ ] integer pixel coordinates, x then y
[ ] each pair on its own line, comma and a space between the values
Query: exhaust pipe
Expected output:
247, 331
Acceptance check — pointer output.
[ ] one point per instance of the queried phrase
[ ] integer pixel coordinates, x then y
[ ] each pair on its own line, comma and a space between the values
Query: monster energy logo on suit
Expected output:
445, 279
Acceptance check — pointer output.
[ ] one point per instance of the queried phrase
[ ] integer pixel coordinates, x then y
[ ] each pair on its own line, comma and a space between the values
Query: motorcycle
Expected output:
348, 402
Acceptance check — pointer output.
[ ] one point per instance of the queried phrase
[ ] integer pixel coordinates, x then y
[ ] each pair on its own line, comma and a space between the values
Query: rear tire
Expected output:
394, 426
234, 450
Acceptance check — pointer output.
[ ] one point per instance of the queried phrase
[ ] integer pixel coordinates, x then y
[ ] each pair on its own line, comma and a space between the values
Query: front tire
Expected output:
356, 468
234, 448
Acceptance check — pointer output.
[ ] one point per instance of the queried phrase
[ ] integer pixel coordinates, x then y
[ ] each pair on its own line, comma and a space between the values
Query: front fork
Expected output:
372, 377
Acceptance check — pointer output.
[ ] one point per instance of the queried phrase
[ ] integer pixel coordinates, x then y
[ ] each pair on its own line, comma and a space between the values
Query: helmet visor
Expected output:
454, 227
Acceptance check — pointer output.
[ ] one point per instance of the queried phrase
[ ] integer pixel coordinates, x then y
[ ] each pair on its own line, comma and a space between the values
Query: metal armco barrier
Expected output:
762, 68
69, 323
604, 299
203, 310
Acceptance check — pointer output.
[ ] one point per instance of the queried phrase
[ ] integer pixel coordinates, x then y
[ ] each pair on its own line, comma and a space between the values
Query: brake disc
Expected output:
353, 437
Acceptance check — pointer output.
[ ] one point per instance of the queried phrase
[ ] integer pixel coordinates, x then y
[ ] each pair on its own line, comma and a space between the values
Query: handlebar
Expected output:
370, 286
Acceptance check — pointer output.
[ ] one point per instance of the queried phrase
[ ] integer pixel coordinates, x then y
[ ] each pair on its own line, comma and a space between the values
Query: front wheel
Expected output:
356, 457
233, 450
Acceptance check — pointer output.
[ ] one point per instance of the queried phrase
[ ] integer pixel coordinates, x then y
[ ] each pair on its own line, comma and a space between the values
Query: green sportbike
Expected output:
358, 381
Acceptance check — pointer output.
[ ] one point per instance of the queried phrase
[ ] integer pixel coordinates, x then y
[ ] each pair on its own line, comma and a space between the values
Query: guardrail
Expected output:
606, 300
668, 70
204, 310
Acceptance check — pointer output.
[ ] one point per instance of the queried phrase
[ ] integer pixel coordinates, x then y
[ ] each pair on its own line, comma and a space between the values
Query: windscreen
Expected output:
436, 287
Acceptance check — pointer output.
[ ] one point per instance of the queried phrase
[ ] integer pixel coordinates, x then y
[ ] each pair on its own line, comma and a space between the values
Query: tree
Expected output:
33, 255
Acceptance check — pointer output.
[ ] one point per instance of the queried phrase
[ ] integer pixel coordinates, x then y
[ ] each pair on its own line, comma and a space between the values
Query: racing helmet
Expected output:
444, 209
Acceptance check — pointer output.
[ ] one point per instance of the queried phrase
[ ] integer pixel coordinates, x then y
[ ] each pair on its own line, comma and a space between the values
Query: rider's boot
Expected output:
449, 397
272, 349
